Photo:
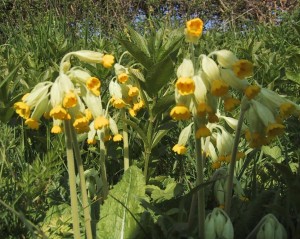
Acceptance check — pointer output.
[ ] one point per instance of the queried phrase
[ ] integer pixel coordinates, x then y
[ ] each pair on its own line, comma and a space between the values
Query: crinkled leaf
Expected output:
158, 76
139, 41
137, 74
171, 191
293, 76
137, 53
274, 152
158, 136
173, 42
120, 213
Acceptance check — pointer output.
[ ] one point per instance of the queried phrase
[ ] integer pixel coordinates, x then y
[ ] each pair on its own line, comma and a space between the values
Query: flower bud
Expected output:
218, 225
89, 56
270, 228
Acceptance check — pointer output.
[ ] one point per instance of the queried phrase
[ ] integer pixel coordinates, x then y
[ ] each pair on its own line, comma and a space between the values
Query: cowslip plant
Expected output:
73, 100
205, 87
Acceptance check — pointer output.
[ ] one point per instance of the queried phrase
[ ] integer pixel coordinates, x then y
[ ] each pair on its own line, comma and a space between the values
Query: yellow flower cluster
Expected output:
74, 95
125, 91
197, 94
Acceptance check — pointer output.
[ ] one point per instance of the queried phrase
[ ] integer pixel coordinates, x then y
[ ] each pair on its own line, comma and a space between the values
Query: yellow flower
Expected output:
219, 88
252, 91
274, 130
100, 122
108, 61
81, 124
203, 131
114, 129
88, 114
179, 149
25, 96
32, 123
240, 155
91, 141
138, 106
185, 85
180, 112
202, 109
106, 137
242, 68
22, 109
94, 84
222, 158
286, 109
231, 103
216, 165
56, 129
117, 138
133, 91
118, 103
212, 118
70, 100
132, 112
193, 30
123, 77
255, 139
58, 112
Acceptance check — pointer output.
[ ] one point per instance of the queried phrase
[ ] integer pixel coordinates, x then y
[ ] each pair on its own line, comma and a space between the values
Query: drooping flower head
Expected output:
180, 147
185, 84
180, 112
193, 30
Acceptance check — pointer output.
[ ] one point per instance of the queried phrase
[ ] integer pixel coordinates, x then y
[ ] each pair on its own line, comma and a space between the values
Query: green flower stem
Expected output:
228, 196
147, 139
200, 180
148, 149
72, 180
103, 169
147, 158
125, 141
85, 202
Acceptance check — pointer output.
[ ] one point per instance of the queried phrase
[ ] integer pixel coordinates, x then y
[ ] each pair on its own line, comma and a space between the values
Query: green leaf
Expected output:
137, 53
120, 213
274, 152
293, 76
158, 136
158, 76
11, 74
256, 46
137, 74
172, 44
163, 104
6, 114
139, 41
158, 38
172, 190
141, 133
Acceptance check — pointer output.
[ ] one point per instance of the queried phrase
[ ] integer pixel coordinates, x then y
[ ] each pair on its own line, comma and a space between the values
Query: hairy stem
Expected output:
85, 203
72, 180
103, 169
200, 180
228, 196
125, 141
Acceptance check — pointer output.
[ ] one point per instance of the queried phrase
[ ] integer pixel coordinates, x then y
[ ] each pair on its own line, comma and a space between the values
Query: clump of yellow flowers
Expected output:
203, 84
74, 95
